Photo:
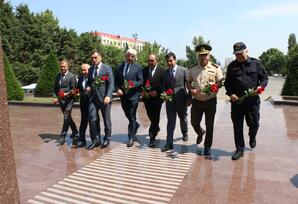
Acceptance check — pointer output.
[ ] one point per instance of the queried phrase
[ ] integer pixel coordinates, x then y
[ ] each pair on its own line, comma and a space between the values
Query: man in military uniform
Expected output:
200, 77
242, 74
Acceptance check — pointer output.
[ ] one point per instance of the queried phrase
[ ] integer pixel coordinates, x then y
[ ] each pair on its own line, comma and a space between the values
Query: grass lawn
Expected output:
33, 99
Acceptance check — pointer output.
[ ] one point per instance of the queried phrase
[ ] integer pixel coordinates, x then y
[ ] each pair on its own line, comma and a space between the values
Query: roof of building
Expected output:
117, 37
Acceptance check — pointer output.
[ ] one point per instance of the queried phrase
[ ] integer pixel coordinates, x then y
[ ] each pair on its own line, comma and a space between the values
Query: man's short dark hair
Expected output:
170, 54
96, 51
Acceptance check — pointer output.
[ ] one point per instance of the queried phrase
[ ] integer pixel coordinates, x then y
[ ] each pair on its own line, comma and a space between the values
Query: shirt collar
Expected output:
175, 68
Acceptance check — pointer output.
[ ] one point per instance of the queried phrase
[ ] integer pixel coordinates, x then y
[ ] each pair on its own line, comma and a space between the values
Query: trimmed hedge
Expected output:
13, 87
290, 87
46, 80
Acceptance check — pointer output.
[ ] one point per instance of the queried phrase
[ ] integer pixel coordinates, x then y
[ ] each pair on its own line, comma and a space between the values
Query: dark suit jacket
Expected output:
84, 96
68, 84
155, 81
135, 74
179, 85
105, 89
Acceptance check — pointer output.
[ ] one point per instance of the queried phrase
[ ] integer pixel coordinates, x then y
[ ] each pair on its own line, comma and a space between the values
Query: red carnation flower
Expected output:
61, 94
105, 78
260, 90
131, 83
147, 84
214, 88
169, 92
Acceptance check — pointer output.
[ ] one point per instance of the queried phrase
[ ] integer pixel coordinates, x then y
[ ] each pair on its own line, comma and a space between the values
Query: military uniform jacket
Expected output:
242, 76
202, 76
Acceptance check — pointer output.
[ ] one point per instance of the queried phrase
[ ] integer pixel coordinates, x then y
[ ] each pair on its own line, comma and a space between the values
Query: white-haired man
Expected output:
128, 80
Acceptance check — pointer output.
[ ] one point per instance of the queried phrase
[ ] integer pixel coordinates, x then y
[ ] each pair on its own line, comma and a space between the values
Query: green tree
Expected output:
87, 43
274, 61
45, 82
154, 48
291, 41
14, 91
291, 84
68, 48
112, 56
191, 54
25, 73
8, 25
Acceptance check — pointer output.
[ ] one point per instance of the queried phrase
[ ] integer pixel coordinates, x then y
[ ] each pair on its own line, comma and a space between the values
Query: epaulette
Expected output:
215, 65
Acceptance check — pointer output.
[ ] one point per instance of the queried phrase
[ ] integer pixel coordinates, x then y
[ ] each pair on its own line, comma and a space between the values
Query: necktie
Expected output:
61, 80
172, 74
151, 72
95, 71
126, 70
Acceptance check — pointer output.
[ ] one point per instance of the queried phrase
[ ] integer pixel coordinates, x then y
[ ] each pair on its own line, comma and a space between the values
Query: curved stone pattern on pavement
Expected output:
124, 175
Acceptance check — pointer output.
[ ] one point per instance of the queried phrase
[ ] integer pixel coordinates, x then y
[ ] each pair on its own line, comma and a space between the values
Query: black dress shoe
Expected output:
200, 137
81, 144
130, 142
137, 127
152, 142
74, 135
185, 137
61, 140
252, 143
207, 151
167, 147
74, 142
237, 155
93, 145
105, 144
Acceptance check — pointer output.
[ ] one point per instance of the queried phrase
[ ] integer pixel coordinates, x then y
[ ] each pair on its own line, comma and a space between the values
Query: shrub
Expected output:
14, 91
46, 81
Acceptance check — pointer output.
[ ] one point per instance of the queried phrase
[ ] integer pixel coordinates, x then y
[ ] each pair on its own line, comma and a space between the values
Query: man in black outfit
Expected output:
242, 74
84, 103
152, 75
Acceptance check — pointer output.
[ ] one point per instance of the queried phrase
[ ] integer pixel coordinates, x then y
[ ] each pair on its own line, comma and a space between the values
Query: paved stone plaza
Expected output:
51, 174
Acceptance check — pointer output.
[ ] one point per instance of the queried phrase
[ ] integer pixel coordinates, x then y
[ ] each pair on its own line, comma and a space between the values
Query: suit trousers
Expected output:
172, 110
130, 110
84, 106
208, 108
66, 108
94, 124
250, 110
153, 107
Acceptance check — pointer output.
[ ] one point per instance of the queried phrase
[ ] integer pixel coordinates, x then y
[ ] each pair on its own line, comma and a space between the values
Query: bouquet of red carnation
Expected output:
128, 84
146, 88
101, 80
210, 89
61, 94
251, 92
75, 92
167, 95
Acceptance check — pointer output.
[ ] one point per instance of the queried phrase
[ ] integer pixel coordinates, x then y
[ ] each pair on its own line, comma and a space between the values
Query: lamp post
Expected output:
135, 36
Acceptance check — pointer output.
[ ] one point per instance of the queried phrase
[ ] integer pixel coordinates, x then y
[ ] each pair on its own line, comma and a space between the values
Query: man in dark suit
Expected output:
64, 88
153, 74
100, 87
84, 103
129, 96
175, 78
